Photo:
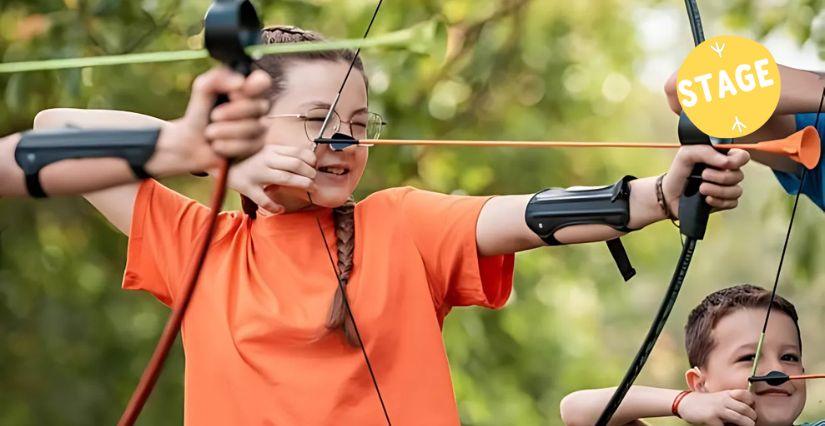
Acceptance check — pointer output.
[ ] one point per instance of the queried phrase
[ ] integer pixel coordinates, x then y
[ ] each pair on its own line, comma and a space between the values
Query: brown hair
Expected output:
343, 216
717, 305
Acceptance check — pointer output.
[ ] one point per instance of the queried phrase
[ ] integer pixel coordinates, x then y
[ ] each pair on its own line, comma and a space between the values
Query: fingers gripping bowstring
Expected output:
761, 340
341, 286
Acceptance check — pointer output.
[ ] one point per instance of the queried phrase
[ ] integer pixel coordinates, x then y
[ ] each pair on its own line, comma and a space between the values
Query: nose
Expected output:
349, 131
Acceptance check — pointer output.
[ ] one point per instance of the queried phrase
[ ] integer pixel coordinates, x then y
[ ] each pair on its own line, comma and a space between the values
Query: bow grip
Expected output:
694, 212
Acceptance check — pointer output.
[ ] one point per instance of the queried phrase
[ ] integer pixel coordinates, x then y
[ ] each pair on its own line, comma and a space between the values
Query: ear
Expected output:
695, 379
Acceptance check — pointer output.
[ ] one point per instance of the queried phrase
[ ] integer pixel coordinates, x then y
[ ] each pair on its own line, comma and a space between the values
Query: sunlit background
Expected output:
72, 344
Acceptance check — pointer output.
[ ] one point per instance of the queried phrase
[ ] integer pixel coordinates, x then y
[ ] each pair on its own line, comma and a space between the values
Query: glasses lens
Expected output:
315, 120
375, 123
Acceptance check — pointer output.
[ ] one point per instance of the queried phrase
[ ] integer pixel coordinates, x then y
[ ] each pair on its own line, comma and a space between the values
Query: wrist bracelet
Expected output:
660, 198
674, 408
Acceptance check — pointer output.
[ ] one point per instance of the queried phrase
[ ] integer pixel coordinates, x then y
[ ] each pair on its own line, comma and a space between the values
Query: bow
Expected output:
693, 215
693, 219
230, 26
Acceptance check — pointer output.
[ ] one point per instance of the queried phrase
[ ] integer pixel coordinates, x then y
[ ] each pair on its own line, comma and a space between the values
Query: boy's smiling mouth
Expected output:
773, 392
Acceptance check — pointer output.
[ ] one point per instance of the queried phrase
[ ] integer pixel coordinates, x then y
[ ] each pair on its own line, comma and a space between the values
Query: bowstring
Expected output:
761, 340
339, 279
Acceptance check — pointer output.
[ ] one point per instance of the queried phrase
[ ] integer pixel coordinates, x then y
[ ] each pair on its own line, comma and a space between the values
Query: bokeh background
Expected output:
72, 344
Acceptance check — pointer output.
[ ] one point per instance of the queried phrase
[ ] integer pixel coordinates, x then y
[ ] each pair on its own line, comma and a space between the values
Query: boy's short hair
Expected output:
717, 305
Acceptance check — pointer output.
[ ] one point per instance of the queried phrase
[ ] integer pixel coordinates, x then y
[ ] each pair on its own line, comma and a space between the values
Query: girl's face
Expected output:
310, 87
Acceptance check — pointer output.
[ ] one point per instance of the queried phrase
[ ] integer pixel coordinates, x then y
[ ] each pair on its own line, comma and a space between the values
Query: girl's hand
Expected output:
730, 407
274, 166
231, 130
721, 177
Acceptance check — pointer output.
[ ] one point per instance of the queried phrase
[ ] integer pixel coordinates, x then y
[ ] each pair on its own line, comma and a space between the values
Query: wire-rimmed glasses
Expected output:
363, 125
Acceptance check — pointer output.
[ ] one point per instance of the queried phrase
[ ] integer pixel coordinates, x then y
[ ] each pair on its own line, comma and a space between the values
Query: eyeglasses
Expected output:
365, 125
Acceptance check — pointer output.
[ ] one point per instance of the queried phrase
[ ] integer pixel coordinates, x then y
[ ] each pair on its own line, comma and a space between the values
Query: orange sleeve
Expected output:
443, 228
164, 232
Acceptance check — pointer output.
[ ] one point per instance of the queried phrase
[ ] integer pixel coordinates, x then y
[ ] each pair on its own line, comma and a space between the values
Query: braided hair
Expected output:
343, 215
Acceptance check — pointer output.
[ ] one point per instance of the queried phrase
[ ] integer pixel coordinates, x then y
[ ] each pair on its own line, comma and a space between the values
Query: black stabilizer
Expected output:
693, 210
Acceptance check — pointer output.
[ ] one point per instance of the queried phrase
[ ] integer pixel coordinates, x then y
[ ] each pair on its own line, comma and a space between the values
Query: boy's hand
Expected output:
672, 97
274, 166
231, 130
730, 407
721, 178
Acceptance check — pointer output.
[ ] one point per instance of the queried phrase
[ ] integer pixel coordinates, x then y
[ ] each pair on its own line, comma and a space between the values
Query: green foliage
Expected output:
74, 343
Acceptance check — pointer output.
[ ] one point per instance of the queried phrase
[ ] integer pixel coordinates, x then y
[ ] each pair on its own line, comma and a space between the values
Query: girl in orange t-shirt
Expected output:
267, 337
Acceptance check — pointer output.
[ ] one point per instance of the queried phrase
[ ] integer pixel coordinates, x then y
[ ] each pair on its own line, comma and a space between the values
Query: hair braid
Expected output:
343, 215
344, 219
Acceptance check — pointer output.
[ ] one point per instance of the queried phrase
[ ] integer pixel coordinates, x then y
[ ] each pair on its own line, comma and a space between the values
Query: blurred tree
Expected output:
74, 343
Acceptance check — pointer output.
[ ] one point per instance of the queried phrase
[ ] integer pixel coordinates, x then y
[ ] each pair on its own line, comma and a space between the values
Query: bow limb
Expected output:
230, 25
693, 218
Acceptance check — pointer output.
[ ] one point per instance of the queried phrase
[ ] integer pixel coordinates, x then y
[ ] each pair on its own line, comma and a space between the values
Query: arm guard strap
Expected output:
555, 208
38, 149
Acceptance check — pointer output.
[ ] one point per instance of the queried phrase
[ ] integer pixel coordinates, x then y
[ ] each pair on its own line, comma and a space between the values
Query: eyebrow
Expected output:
316, 104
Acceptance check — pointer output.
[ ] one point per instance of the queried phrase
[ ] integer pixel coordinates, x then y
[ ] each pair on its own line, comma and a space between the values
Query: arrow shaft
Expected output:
541, 144
521, 144
807, 376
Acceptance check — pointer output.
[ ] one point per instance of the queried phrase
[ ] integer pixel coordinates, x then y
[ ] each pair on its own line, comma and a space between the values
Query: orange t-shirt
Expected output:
257, 350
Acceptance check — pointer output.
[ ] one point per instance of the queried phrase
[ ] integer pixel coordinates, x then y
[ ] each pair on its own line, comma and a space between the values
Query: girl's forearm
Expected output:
170, 157
11, 177
501, 227
78, 176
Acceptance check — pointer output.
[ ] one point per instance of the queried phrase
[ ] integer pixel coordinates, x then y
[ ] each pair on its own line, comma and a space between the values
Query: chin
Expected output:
330, 198
780, 412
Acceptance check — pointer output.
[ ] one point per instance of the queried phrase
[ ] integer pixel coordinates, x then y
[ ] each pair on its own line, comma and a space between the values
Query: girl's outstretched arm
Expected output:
193, 143
502, 228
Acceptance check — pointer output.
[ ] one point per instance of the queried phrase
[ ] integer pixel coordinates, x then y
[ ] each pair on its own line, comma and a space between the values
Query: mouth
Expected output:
334, 169
773, 392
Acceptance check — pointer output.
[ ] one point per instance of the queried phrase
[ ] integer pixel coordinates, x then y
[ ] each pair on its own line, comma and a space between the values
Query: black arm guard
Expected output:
38, 149
553, 209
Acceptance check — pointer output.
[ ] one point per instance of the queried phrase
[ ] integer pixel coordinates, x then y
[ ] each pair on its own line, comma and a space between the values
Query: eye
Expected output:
746, 358
790, 357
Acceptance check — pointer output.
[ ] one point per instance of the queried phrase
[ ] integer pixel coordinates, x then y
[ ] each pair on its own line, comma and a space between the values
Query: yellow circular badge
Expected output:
728, 86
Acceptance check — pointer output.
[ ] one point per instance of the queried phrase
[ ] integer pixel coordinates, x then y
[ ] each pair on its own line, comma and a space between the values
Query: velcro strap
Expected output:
620, 257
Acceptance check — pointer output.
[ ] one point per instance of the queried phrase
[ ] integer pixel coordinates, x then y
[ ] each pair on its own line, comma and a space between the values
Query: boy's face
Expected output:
731, 360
